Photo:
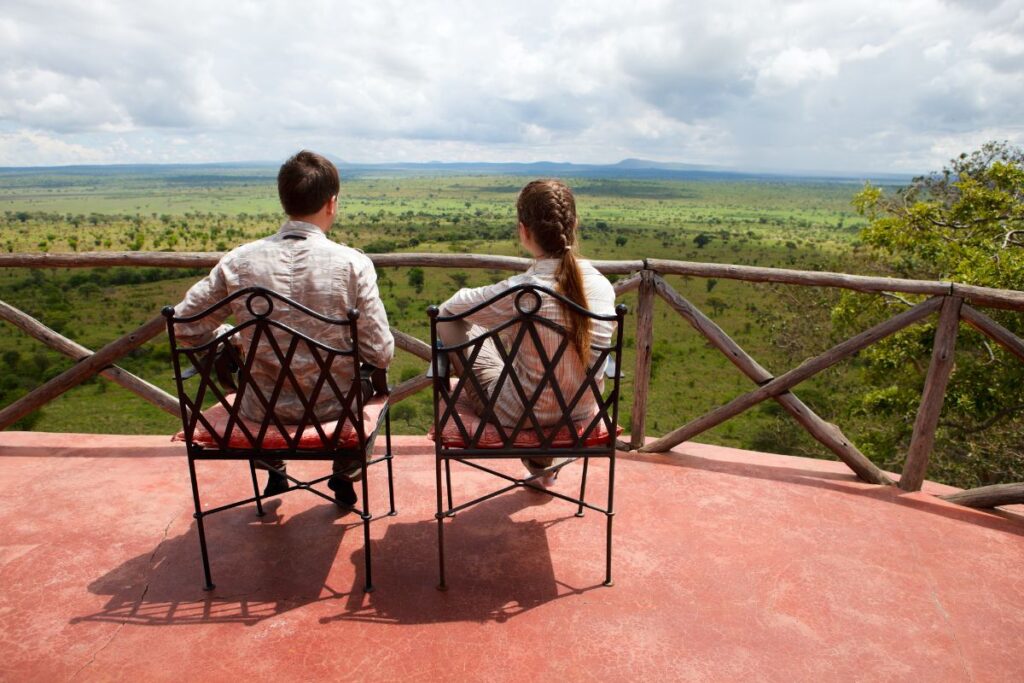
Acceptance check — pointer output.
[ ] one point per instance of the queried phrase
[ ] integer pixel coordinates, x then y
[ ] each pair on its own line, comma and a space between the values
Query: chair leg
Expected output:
583, 486
441, 586
366, 517
448, 484
256, 489
389, 457
199, 525
610, 516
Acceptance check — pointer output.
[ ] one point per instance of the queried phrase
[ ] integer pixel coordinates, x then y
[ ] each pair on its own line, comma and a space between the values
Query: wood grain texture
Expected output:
627, 285
933, 396
807, 369
989, 496
54, 340
642, 366
989, 327
407, 388
809, 278
985, 296
411, 344
826, 433
81, 371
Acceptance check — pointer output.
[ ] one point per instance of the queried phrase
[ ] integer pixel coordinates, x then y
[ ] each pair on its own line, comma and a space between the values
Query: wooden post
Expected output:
807, 369
828, 434
81, 371
138, 386
642, 368
988, 496
933, 395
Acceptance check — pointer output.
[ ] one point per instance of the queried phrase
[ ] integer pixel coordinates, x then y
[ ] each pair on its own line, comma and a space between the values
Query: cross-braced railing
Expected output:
952, 302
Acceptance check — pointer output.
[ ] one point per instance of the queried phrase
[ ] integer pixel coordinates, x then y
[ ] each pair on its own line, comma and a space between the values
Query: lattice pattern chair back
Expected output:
546, 343
260, 334
558, 417
288, 402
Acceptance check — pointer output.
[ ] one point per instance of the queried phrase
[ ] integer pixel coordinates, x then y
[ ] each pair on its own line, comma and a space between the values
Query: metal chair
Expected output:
219, 431
462, 435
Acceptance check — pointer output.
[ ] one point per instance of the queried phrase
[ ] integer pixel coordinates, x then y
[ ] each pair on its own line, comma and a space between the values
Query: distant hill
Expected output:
625, 169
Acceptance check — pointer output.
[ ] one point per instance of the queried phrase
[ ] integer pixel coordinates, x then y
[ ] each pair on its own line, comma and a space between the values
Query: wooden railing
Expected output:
953, 302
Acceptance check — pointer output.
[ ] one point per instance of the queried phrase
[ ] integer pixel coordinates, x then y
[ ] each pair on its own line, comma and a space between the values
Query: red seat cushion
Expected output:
528, 437
218, 416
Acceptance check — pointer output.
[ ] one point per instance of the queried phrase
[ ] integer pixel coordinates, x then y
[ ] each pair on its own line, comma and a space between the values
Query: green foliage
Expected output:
416, 279
964, 224
748, 222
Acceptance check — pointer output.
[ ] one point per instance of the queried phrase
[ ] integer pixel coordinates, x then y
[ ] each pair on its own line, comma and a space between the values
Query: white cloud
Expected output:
794, 66
776, 83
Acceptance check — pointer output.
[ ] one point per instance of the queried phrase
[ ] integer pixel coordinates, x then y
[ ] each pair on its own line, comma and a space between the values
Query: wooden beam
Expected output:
54, 340
807, 369
409, 387
810, 278
81, 371
204, 259
986, 296
407, 342
828, 434
933, 396
627, 285
989, 327
107, 259
516, 263
642, 368
618, 267
990, 296
988, 496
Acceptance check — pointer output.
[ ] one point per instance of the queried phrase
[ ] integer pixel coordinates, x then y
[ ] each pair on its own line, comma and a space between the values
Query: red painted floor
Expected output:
729, 565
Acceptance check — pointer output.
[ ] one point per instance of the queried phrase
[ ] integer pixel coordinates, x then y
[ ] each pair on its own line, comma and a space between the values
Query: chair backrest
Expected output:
521, 334
262, 338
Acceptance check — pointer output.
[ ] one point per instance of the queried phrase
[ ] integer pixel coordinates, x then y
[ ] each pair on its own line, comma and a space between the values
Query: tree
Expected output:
966, 224
459, 279
717, 305
416, 279
702, 240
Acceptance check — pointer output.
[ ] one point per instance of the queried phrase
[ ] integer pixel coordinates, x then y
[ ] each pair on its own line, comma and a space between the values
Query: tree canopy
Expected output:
965, 224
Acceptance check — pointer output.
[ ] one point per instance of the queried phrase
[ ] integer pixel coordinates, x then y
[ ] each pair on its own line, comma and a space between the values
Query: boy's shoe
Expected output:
276, 484
344, 492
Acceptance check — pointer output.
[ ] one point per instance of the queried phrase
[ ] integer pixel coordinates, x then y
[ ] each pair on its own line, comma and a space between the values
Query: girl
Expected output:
549, 230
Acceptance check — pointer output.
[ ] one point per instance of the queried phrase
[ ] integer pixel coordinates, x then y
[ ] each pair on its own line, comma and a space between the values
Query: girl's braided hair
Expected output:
548, 210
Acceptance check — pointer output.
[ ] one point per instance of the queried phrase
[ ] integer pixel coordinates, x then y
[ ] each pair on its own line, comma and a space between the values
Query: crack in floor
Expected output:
142, 597
952, 631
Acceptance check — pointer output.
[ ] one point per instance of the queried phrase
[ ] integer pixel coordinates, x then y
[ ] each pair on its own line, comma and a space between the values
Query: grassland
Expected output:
765, 222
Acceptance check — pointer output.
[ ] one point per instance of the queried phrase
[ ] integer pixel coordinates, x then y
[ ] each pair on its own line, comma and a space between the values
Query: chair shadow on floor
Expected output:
264, 566
497, 567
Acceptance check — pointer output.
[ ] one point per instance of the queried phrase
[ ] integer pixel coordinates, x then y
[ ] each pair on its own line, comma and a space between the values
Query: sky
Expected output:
872, 85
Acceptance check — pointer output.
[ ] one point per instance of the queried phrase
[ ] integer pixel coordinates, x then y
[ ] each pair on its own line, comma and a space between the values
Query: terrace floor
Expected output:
729, 565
